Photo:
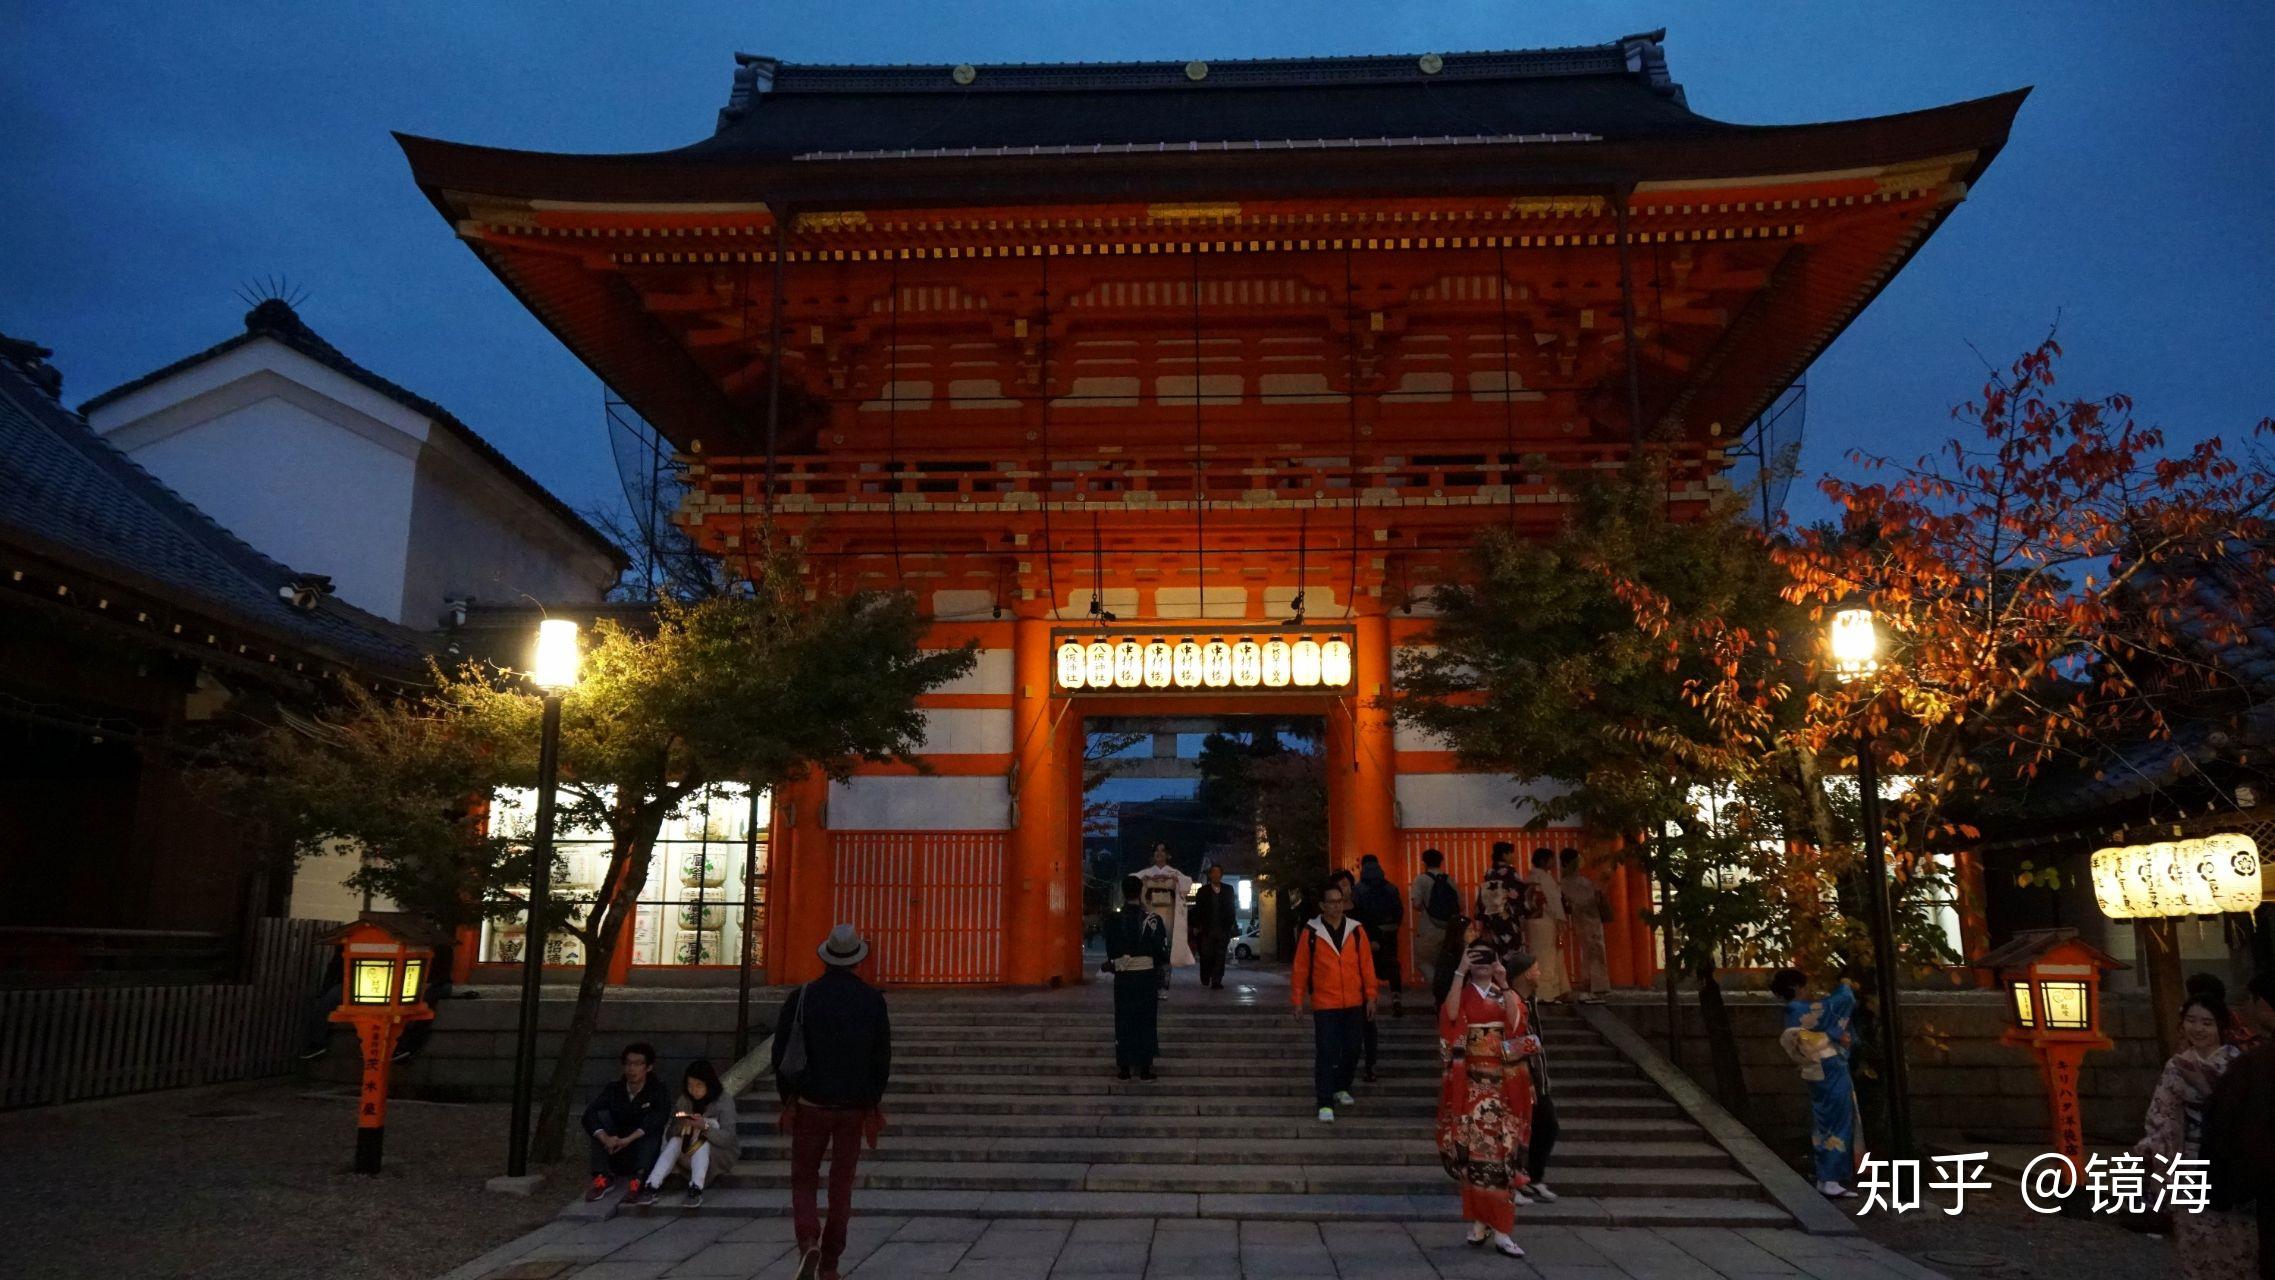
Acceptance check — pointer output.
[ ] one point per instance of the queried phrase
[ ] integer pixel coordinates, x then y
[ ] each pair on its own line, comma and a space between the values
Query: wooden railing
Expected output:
63, 1044
940, 480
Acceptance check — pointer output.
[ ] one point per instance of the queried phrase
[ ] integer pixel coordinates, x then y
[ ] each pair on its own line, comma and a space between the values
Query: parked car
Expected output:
1243, 945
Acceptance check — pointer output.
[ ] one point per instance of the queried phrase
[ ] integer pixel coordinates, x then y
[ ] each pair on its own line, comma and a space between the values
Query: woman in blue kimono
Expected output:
1817, 1039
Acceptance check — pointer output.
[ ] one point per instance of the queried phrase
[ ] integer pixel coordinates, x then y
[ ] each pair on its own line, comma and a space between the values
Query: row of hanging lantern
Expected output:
1212, 664
2207, 876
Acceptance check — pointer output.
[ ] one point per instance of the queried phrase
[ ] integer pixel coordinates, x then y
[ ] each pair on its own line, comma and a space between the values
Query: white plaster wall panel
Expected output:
302, 490
1230, 604
1408, 737
992, 673
900, 803
476, 534
958, 731
963, 605
1468, 799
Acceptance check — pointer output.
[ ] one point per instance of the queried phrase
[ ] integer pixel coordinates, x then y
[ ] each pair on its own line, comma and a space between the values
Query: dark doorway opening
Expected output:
1247, 793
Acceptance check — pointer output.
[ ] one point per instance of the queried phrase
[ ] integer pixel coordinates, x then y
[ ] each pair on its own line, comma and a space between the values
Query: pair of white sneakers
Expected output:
1835, 1191
1342, 1099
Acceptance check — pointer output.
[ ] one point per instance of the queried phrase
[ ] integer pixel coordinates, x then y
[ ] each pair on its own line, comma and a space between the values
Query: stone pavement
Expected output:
886, 1248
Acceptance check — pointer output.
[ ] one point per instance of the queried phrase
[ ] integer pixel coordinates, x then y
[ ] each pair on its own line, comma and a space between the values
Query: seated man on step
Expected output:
625, 1123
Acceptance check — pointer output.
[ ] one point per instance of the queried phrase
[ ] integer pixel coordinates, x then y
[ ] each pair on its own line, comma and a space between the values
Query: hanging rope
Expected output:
892, 421
1050, 560
1508, 378
1200, 472
1351, 417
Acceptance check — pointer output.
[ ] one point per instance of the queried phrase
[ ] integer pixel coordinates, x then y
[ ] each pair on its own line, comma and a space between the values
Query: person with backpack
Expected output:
1437, 906
833, 1051
1334, 971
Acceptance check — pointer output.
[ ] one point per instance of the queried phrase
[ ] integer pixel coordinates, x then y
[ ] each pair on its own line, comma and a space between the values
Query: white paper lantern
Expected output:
1216, 664
1158, 665
2109, 883
1099, 661
1335, 663
1185, 663
1276, 664
1247, 664
1303, 663
1129, 665
2236, 881
1070, 665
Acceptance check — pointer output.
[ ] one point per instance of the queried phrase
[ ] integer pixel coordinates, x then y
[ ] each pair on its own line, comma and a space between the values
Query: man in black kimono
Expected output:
1137, 949
1215, 914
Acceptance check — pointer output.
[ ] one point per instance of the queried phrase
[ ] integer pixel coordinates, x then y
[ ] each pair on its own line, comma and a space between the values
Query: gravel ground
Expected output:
1996, 1237
252, 1182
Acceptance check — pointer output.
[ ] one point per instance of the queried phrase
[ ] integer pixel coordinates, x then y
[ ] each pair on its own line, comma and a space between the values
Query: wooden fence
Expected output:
65, 1044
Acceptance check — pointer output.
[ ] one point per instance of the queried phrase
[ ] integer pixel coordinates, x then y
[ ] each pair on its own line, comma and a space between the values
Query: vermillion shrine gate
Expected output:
1214, 345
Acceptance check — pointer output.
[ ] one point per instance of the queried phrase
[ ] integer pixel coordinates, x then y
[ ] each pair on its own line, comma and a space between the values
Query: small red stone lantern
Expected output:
386, 961
2053, 989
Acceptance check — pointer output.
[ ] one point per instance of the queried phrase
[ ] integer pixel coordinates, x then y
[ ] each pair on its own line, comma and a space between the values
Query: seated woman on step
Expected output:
700, 1139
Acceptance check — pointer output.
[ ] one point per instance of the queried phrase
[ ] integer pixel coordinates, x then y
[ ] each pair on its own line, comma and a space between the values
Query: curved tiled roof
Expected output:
69, 495
1620, 89
276, 320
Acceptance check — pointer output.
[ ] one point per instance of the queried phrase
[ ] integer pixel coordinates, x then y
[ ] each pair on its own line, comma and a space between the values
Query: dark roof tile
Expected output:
68, 494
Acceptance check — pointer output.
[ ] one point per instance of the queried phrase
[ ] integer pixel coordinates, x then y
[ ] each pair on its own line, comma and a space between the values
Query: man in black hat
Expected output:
833, 1049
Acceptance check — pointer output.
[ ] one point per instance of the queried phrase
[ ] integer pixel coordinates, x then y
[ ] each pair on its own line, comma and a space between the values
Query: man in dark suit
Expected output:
1215, 919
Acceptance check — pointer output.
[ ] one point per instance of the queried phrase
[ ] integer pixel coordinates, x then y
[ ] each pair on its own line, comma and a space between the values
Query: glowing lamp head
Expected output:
553, 666
374, 980
1853, 642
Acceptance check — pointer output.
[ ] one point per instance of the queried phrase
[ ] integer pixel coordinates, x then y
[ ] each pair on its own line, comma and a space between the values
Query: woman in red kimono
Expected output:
1485, 1102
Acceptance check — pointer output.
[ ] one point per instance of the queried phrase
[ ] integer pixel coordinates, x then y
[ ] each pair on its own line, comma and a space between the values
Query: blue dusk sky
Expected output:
160, 156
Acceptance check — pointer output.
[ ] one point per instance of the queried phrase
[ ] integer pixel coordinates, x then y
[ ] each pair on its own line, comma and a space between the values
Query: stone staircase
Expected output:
1004, 1104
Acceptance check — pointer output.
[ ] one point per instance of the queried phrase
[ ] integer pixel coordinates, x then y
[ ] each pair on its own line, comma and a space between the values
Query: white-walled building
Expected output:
321, 464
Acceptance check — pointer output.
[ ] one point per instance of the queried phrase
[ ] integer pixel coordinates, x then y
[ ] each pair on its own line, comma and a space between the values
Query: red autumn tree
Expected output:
2036, 582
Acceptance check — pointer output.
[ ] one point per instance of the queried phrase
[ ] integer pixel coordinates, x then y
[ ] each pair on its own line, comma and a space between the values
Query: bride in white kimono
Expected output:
1165, 891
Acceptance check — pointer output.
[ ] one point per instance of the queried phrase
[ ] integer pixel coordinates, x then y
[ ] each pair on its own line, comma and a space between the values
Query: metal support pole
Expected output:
750, 911
1894, 1080
533, 938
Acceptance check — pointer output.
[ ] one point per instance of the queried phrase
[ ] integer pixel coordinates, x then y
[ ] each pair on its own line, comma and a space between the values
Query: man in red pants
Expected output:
833, 1049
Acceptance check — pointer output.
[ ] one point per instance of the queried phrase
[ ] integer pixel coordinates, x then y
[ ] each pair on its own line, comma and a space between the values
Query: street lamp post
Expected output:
1854, 642
553, 670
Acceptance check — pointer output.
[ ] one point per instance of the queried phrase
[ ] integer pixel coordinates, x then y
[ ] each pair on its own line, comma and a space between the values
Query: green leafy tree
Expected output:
756, 687
1627, 658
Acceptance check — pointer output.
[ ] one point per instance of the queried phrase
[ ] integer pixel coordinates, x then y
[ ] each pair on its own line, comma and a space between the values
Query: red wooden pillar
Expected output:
800, 875
1974, 918
1619, 928
1374, 791
1036, 852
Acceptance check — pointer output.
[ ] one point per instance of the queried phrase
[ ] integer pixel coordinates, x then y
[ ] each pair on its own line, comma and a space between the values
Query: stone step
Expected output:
1440, 1205
1098, 1078
1332, 1177
1128, 1102
1394, 1147
1352, 1126
1290, 1049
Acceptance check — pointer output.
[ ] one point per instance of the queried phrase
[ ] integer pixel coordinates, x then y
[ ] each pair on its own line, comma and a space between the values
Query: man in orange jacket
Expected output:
1334, 968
